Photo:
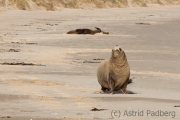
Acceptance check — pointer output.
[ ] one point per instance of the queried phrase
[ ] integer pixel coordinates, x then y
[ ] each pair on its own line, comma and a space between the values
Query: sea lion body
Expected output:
87, 31
113, 74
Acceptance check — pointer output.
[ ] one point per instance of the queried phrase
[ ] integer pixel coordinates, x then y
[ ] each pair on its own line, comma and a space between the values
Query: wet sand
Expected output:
48, 74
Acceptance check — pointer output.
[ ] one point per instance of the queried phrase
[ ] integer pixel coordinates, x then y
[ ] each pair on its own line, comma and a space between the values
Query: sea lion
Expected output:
113, 74
87, 31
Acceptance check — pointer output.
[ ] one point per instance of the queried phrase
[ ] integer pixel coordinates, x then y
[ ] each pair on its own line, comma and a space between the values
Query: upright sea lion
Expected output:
113, 74
87, 31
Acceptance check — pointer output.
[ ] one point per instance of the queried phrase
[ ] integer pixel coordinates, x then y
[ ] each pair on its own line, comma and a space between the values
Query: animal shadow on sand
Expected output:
115, 92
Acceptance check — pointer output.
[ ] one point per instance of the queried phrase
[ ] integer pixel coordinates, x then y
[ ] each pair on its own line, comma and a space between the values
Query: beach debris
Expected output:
177, 106
6, 117
13, 50
21, 63
23, 43
25, 25
143, 23
98, 59
16, 43
89, 61
30, 43
10, 50
96, 109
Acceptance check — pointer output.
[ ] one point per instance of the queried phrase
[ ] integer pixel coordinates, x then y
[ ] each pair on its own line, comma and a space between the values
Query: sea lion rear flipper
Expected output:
131, 80
105, 32
71, 32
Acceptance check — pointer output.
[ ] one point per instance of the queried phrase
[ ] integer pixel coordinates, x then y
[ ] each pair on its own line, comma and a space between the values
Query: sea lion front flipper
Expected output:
124, 88
111, 84
103, 90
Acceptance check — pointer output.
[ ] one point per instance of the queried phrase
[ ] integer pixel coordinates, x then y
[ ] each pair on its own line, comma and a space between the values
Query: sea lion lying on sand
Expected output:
87, 31
113, 74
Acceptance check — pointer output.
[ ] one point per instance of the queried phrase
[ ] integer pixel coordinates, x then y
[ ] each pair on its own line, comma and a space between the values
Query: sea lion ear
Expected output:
120, 49
98, 29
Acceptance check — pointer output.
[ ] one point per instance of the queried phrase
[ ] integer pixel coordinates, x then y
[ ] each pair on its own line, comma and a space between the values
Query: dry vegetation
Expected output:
21, 4
49, 5
55, 4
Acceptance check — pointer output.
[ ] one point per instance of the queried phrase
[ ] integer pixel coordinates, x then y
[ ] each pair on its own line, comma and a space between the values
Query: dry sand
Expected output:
60, 84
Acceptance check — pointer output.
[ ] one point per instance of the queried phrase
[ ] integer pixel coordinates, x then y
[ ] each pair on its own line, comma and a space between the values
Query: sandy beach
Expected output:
46, 74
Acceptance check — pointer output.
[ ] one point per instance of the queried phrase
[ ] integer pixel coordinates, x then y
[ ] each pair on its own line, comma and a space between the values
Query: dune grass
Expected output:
54, 4
141, 3
45, 3
21, 4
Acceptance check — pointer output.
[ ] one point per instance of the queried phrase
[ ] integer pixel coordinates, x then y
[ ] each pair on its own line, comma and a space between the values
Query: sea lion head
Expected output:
117, 52
98, 29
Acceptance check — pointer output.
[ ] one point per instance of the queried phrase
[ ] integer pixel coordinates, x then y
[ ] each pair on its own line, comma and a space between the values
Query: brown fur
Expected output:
87, 31
113, 74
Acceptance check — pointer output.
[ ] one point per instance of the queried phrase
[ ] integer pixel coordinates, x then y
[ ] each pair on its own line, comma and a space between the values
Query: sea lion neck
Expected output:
96, 31
119, 61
